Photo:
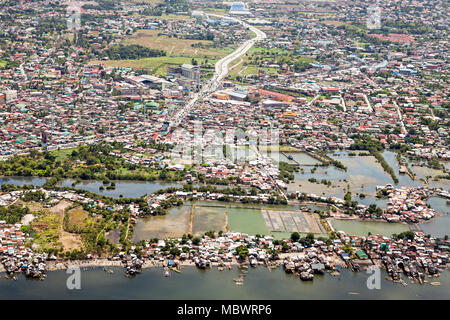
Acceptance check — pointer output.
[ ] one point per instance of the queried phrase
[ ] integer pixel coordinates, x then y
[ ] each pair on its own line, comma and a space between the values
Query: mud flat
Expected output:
173, 225
57, 265
208, 218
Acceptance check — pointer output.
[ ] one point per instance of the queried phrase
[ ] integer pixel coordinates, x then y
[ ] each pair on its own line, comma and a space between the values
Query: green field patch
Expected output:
362, 228
171, 45
63, 154
76, 220
248, 221
46, 229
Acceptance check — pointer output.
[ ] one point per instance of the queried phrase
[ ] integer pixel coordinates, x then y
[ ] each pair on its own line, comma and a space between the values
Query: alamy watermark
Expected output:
374, 280
373, 17
74, 19
74, 280
201, 144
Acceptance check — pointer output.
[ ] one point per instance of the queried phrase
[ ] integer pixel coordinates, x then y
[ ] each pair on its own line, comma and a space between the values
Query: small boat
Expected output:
354, 293
290, 157
306, 276
436, 283
166, 272
176, 270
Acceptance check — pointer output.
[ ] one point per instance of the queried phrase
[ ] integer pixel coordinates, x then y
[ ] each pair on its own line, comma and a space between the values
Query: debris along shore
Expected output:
409, 253
413, 255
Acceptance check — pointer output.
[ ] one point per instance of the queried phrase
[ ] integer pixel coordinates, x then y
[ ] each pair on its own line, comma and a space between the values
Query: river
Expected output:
126, 188
363, 175
194, 284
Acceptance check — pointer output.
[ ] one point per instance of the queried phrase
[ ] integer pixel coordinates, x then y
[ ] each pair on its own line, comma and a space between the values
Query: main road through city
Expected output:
221, 70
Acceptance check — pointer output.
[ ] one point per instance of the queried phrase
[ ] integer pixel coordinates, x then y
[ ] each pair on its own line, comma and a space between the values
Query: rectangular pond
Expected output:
362, 228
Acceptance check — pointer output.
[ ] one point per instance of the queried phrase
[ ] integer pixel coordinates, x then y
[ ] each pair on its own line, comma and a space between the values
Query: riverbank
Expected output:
192, 283
103, 263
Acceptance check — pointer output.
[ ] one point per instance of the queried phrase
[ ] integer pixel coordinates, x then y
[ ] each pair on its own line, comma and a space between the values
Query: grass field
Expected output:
173, 46
333, 23
2, 63
46, 227
49, 232
173, 17
247, 67
251, 221
32, 205
178, 51
216, 10
158, 64
77, 218
63, 154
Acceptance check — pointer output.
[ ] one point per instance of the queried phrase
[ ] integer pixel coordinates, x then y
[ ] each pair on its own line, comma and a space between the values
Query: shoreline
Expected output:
99, 263
64, 265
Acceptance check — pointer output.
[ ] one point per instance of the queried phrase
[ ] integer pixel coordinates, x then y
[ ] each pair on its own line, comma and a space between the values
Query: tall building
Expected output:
191, 72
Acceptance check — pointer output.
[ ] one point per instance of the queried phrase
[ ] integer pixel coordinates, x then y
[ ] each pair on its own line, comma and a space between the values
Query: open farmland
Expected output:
181, 47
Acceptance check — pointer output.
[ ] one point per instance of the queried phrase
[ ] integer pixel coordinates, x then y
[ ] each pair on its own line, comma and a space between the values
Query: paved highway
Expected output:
221, 71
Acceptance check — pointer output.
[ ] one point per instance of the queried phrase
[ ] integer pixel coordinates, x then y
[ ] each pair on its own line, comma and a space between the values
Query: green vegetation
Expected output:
409, 235
374, 147
286, 171
338, 165
374, 210
84, 163
435, 164
242, 252
295, 236
46, 229
132, 51
196, 241
101, 5
13, 213
385, 165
